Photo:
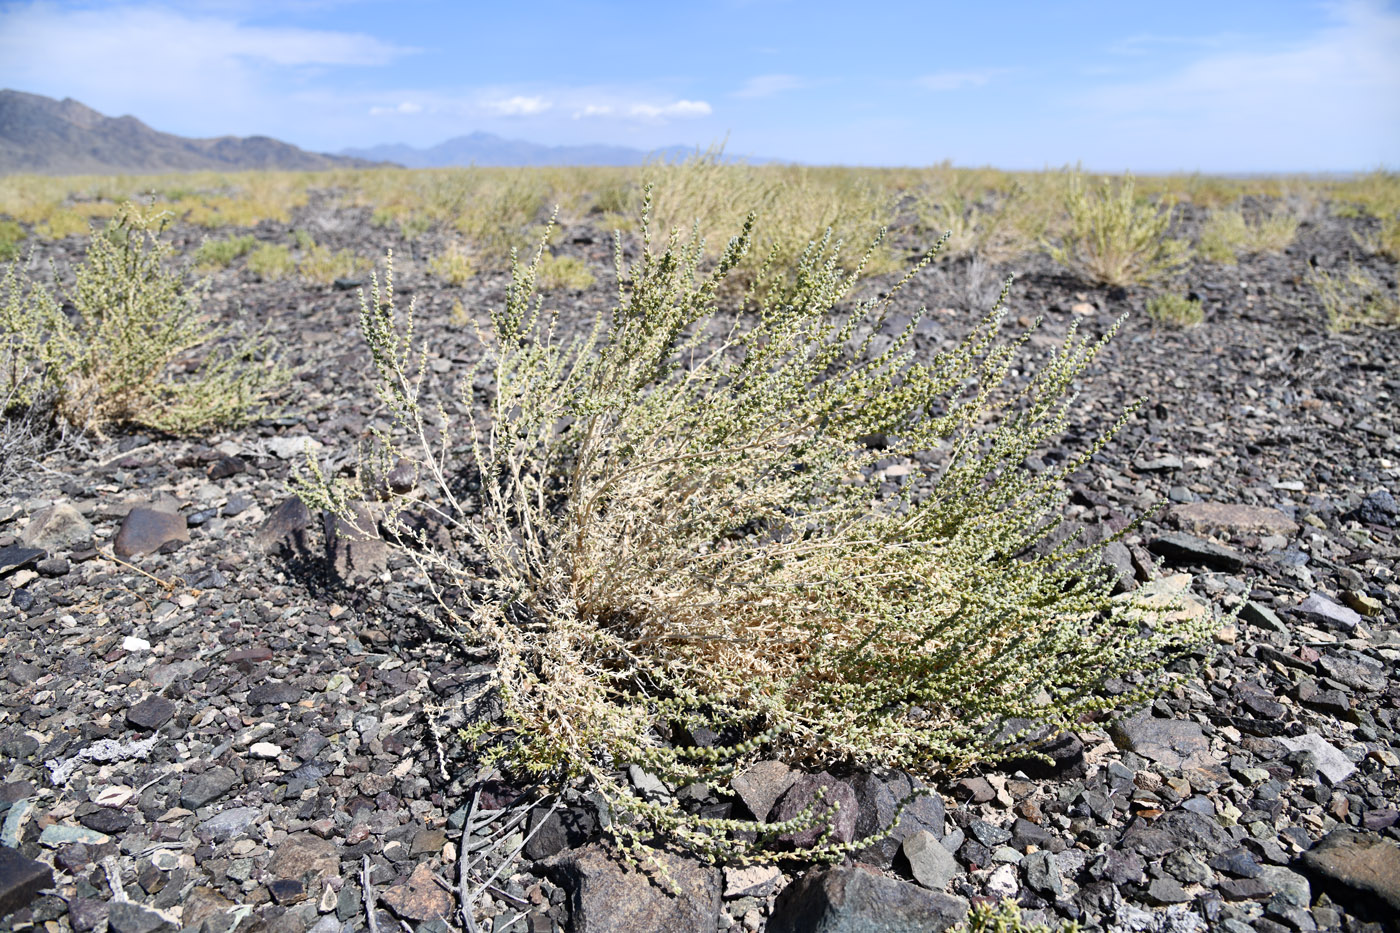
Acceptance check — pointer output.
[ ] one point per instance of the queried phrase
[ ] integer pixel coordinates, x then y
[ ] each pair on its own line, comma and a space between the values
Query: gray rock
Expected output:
1043, 875
1174, 830
878, 798
1177, 548
1318, 608
1359, 870
1331, 763
760, 786
125, 917
307, 858
929, 862
228, 823
146, 530
1378, 508
1172, 743
1230, 518
274, 692
855, 900
204, 789
353, 546
1292, 887
14, 557
835, 812
21, 880
59, 527
151, 713
285, 528
608, 896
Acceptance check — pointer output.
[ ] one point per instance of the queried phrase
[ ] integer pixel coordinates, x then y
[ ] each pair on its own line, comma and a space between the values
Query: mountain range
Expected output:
490, 149
64, 137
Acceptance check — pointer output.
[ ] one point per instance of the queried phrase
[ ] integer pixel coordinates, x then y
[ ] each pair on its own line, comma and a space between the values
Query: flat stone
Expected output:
307, 858
751, 881
1173, 830
932, 865
1331, 763
1042, 873
57, 834
856, 900
761, 784
285, 528
1231, 518
59, 527
273, 692
1177, 548
286, 891
266, 751
1175, 744
204, 789
107, 820
608, 896
1359, 870
226, 824
151, 713
21, 880
147, 530
835, 813
125, 917
284, 447
353, 546
15, 556
552, 833
878, 798
1318, 608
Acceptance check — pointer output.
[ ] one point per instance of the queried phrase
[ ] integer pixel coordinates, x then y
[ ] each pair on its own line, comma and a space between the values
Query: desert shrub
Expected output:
1173, 310
453, 265
1384, 241
1355, 298
220, 254
11, 235
1113, 238
323, 266
128, 353
1006, 918
271, 262
675, 517
1228, 234
563, 272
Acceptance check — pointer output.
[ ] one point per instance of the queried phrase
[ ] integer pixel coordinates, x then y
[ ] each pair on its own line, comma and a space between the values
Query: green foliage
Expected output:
1113, 238
453, 265
1228, 234
322, 266
1173, 310
271, 262
11, 235
1355, 299
563, 272
1006, 918
679, 517
220, 254
126, 356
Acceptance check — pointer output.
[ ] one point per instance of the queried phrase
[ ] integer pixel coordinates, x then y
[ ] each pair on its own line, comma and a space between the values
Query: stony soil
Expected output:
245, 722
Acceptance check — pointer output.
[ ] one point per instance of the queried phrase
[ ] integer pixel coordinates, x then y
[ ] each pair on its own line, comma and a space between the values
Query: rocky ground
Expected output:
221, 712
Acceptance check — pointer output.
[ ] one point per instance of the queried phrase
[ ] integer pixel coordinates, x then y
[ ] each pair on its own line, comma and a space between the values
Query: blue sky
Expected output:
1228, 85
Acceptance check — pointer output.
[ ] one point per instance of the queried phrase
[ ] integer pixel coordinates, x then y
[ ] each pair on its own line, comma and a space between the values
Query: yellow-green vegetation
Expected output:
675, 518
1006, 918
136, 350
11, 235
322, 266
1355, 298
563, 272
1228, 234
1173, 310
220, 254
453, 265
1115, 238
271, 262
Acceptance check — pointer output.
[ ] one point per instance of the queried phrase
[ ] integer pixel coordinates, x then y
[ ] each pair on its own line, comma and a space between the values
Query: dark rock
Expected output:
854, 900
1164, 891
227, 824
1358, 870
551, 833
1175, 744
1066, 753
85, 913
107, 820
976, 789
224, 467
1043, 875
1237, 862
53, 567
878, 798
608, 896
125, 917
353, 546
147, 530
1378, 508
1245, 889
15, 556
1174, 830
204, 789
21, 880
151, 713
989, 835
237, 504
285, 528
761, 784
274, 692
286, 891
835, 812
306, 857
1120, 867
1183, 549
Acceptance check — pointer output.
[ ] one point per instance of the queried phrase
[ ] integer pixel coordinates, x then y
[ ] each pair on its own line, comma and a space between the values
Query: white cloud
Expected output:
769, 85
954, 80
679, 109
519, 106
593, 110
404, 107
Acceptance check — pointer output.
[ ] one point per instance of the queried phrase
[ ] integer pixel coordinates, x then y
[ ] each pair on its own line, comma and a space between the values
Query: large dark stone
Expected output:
1178, 549
1178, 829
353, 546
146, 530
856, 900
878, 798
204, 789
551, 833
285, 528
125, 917
21, 880
1359, 870
275, 692
761, 784
1172, 743
1065, 751
606, 895
151, 713
836, 811
16, 556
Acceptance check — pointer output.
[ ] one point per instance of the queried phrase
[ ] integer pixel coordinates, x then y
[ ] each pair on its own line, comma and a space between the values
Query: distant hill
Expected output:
63, 137
489, 149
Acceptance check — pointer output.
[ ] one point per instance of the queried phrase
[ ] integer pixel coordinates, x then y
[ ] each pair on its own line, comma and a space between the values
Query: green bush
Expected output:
11, 234
1174, 310
678, 518
271, 262
127, 354
220, 254
453, 265
1113, 238
1227, 235
1355, 299
563, 272
1006, 918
